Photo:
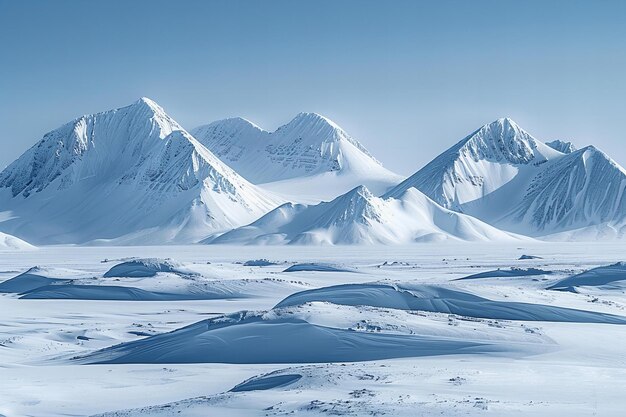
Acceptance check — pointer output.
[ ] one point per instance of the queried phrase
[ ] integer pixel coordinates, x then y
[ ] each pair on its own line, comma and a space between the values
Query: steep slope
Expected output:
582, 190
358, 217
131, 174
505, 177
479, 164
309, 153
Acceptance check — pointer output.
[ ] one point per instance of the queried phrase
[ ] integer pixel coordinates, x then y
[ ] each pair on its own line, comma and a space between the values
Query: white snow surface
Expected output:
391, 332
130, 175
358, 217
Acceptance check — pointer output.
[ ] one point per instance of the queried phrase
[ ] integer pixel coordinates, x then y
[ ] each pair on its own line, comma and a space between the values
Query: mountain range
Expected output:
308, 159
133, 175
504, 176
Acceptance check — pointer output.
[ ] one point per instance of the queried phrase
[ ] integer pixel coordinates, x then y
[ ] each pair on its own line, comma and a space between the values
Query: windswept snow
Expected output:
391, 340
33, 278
508, 273
443, 300
596, 277
140, 268
358, 217
248, 338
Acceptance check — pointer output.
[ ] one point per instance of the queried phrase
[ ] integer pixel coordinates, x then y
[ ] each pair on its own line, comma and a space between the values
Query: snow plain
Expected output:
474, 365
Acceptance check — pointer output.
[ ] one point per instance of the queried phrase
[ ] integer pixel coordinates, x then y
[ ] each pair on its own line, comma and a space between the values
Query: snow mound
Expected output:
443, 300
528, 257
29, 280
265, 382
508, 273
94, 292
13, 243
358, 217
248, 338
316, 267
601, 276
128, 176
140, 268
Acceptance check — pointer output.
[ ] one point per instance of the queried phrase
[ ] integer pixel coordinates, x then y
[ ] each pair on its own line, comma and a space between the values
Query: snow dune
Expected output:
29, 280
248, 338
140, 268
597, 277
507, 273
443, 300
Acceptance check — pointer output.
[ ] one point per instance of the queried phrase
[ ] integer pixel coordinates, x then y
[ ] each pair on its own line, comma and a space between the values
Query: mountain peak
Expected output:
235, 124
359, 191
315, 124
148, 104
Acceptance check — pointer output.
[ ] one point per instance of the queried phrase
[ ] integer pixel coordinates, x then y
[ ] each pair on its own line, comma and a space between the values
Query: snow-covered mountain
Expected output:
132, 174
358, 217
310, 153
505, 177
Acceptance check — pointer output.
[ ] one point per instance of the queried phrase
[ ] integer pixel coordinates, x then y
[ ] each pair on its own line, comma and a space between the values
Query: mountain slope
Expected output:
358, 217
131, 174
478, 165
505, 177
13, 243
309, 153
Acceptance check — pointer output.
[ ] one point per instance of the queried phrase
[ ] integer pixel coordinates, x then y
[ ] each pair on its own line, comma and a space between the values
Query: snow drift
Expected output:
443, 300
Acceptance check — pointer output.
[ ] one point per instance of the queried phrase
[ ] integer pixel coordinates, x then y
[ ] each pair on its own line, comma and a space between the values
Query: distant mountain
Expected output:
13, 243
505, 177
358, 217
133, 175
308, 157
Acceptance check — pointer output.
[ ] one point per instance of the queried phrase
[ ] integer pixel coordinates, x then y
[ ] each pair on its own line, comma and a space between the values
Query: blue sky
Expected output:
406, 78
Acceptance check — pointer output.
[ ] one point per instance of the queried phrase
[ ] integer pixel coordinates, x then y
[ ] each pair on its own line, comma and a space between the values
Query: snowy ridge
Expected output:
505, 177
562, 146
477, 165
358, 217
582, 189
73, 151
131, 174
309, 150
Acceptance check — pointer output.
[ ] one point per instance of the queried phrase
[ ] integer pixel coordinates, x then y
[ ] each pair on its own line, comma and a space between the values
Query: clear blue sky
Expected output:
407, 78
